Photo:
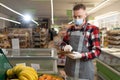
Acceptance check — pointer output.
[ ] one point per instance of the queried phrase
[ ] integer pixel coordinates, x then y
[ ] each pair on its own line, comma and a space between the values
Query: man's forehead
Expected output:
79, 12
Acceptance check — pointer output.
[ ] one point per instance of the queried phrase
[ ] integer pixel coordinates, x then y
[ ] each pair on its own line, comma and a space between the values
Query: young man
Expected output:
84, 40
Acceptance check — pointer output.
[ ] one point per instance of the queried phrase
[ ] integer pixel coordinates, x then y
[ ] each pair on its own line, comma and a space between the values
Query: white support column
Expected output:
52, 14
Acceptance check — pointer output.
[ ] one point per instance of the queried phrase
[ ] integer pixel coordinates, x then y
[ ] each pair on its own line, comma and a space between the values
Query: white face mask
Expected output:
78, 22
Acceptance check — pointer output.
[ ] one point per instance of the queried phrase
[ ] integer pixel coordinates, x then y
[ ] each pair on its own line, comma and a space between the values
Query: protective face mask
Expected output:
78, 22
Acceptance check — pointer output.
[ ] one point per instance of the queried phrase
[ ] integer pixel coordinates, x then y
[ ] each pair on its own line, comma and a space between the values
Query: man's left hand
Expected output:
75, 55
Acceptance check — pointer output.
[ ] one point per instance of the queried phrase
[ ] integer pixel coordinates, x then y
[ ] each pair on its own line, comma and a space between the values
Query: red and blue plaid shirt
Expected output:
92, 42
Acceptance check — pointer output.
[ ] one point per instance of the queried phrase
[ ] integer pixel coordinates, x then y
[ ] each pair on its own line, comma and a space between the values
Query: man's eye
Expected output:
77, 16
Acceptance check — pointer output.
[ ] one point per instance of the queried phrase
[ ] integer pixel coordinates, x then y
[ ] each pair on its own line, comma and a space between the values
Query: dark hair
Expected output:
79, 6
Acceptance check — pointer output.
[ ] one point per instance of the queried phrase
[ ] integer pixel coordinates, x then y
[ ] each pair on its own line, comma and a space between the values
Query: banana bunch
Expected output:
22, 73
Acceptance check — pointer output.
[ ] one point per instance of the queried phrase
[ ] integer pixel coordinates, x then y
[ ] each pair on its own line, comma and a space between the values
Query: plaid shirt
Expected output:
92, 42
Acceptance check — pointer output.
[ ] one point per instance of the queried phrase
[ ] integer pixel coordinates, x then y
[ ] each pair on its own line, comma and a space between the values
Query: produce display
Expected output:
114, 32
22, 72
4, 43
114, 38
49, 77
24, 36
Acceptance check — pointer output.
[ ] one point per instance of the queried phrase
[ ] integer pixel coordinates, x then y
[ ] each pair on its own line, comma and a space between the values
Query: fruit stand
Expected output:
29, 64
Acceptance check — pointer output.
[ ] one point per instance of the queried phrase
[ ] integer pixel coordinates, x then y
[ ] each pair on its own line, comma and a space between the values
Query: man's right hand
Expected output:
68, 48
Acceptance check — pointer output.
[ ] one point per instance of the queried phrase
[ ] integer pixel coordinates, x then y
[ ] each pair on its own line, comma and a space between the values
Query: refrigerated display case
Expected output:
108, 64
43, 60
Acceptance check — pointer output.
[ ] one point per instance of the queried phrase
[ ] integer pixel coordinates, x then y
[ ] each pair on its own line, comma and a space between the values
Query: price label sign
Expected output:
21, 64
35, 66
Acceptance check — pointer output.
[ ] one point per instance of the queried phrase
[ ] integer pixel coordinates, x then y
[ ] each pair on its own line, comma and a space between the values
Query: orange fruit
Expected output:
41, 78
53, 78
49, 77
45, 76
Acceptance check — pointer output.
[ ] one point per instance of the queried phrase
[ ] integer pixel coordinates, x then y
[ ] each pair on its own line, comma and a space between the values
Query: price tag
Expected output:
35, 66
21, 64
15, 44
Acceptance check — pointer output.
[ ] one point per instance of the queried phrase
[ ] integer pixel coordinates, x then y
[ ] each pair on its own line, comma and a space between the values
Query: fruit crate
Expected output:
4, 65
43, 60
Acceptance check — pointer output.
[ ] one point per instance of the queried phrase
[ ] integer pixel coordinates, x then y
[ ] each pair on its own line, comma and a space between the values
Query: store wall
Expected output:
113, 7
3, 23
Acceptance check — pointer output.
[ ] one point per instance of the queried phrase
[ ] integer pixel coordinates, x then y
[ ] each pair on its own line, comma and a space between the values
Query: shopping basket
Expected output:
4, 65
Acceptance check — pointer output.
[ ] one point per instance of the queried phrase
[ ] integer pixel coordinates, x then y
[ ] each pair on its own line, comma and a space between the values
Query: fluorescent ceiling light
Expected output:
107, 15
16, 12
27, 18
40, 0
99, 6
11, 9
9, 20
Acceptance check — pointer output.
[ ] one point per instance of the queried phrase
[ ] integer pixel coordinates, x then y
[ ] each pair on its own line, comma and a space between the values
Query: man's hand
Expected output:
75, 55
68, 48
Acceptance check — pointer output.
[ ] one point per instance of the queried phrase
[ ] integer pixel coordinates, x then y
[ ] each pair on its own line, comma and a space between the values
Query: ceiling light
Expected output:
107, 15
99, 6
10, 9
27, 18
10, 20
40, 0
16, 12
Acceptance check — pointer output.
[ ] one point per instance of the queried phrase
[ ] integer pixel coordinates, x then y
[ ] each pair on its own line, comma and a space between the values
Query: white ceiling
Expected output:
42, 8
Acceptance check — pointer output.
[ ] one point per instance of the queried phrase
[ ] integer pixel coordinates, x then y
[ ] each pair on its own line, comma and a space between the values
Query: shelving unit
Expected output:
107, 23
40, 37
36, 38
4, 43
24, 36
44, 37
113, 38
